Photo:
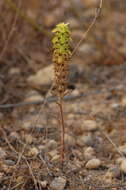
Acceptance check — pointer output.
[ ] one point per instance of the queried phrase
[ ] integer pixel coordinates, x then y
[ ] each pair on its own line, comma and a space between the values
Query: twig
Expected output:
9, 35
113, 144
97, 13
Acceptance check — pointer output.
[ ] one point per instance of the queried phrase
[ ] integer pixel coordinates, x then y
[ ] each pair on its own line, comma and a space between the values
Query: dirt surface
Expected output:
94, 110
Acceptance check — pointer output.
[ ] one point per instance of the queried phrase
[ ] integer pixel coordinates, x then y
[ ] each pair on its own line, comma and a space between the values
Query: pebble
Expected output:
14, 70
123, 102
69, 140
43, 183
55, 158
10, 162
43, 76
2, 153
89, 125
28, 138
123, 166
14, 136
58, 183
89, 153
33, 152
53, 153
33, 96
52, 144
85, 140
93, 163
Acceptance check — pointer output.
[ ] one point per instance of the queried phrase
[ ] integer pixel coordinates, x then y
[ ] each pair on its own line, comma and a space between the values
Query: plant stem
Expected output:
62, 129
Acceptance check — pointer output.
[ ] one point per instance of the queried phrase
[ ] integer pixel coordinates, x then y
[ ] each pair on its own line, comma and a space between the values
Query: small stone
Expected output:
58, 183
69, 140
52, 144
123, 102
42, 77
85, 140
55, 158
10, 162
28, 139
89, 125
27, 125
33, 96
2, 153
14, 136
43, 183
14, 70
89, 153
33, 152
123, 166
93, 163
53, 153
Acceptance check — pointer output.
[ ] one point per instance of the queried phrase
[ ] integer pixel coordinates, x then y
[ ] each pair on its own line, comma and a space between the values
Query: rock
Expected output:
69, 140
43, 76
14, 70
123, 102
10, 162
58, 183
89, 125
55, 158
123, 166
33, 152
53, 153
2, 153
89, 153
14, 136
85, 140
43, 183
28, 139
52, 144
93, 163
33, 96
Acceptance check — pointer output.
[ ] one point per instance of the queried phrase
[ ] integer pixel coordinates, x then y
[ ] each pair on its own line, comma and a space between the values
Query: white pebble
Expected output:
89, 153
93, 163
89, 125
123, 166
58, 183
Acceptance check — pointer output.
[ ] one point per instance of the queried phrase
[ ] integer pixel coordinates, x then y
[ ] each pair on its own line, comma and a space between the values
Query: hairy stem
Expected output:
62, 129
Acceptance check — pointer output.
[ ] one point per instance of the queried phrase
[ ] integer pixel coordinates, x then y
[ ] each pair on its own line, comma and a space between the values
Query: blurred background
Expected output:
95, 115
25, 41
